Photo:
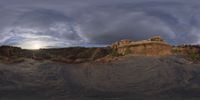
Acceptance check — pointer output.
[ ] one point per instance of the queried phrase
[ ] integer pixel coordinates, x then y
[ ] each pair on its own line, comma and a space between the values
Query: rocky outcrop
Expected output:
154, 46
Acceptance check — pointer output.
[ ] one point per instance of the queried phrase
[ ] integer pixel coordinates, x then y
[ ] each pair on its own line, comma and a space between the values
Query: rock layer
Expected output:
154, 46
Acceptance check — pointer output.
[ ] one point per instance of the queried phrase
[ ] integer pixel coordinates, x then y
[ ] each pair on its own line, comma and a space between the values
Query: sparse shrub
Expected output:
176, 50
100, 52
127, 51
114, 53
194, 56
18, 60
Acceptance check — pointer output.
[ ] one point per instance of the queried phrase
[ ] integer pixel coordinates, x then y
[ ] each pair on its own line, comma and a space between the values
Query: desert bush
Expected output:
101, 52
176, 50
127, 51
194, 56
18, 60
114, 53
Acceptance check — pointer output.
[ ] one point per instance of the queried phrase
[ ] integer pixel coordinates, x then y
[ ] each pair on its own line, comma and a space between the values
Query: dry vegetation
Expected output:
66, 55
10, 54
190, 52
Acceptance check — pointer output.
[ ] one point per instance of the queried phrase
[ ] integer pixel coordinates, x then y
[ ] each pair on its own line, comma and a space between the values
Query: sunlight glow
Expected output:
36, 46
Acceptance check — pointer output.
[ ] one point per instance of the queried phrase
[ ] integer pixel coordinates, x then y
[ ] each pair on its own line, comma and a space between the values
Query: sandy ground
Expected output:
131, 78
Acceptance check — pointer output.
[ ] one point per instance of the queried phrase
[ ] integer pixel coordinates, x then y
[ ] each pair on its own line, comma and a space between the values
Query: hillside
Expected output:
9, 54
130, 78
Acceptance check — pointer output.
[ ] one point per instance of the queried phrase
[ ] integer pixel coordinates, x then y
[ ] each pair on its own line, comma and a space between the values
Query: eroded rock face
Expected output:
156, 38
150, 49
154, 46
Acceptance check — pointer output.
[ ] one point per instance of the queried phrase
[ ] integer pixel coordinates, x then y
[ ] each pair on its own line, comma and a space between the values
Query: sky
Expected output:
63, 23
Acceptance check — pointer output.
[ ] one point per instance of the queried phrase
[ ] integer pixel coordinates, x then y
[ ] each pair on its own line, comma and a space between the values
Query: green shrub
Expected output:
114, 53
177, 51
127, 51
194, 56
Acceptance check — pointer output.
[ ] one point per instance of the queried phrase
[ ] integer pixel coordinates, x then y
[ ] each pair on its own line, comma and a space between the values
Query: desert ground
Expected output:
128, 78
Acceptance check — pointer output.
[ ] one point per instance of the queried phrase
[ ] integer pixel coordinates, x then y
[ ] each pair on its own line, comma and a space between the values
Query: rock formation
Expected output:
154, 46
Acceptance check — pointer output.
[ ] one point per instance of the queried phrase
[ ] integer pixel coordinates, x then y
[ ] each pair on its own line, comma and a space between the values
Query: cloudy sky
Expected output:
63, 23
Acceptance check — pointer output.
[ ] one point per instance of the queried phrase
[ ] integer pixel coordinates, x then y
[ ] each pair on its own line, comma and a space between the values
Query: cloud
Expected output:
93, 22
50, 27
172, 20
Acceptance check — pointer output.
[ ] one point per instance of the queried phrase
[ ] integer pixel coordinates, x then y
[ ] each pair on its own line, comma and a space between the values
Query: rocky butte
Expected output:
154, 46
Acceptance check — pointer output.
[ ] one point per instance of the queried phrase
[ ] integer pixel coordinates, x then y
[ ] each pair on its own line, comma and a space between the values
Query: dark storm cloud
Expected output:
77, 22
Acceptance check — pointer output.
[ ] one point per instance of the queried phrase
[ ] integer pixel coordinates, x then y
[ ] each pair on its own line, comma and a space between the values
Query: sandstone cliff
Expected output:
154, 46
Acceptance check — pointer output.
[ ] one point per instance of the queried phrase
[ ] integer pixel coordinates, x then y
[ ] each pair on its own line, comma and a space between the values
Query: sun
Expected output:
33, 45
36, 46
